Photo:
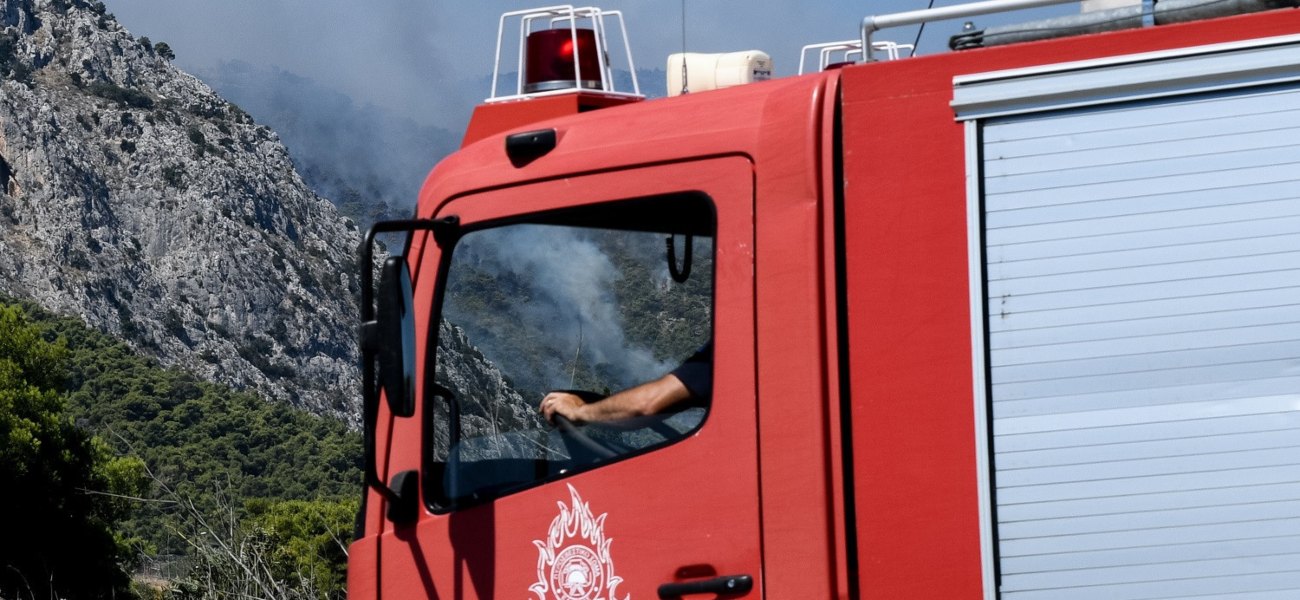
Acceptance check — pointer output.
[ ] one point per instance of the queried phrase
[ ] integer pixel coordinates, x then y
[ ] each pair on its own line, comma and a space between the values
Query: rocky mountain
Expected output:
488, 404
137, 199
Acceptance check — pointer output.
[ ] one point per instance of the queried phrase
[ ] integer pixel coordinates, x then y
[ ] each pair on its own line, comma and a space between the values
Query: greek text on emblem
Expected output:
573, 562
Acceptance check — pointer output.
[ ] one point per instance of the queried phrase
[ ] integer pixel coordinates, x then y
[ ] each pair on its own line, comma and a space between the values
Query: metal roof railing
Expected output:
874, 23
846, 50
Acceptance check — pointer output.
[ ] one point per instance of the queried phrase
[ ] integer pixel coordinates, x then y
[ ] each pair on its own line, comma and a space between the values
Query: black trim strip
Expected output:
842, 358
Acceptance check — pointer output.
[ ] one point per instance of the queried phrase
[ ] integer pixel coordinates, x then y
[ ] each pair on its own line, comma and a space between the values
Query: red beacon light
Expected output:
563, 50
555, 61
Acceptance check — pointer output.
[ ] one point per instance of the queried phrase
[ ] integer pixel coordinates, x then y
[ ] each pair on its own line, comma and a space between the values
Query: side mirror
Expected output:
395, 333
388, 339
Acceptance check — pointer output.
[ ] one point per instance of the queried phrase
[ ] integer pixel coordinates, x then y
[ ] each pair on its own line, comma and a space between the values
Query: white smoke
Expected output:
570, 297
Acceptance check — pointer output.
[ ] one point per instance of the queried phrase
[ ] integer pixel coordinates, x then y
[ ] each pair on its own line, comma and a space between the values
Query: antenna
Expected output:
684, 61
917, 42
573, 375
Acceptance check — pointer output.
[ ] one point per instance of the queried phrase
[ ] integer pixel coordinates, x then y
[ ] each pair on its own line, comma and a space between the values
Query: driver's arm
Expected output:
648, 398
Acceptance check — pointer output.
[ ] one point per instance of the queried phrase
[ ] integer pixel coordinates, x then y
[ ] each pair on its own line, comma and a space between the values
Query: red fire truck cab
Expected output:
1012, 322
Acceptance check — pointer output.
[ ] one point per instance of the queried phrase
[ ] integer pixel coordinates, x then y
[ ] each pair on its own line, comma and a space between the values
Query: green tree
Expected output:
164, 50
63, 490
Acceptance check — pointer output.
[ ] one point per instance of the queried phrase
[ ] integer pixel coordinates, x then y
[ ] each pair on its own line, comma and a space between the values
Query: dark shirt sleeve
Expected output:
697, 373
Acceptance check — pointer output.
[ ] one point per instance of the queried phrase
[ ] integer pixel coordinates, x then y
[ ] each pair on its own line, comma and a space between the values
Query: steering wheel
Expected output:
571, 432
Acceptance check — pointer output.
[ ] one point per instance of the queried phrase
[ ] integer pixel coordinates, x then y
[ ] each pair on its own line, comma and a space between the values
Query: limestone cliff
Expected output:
134, 197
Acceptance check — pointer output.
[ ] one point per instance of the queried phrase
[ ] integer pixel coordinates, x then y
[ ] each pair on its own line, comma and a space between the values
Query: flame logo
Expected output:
573, 562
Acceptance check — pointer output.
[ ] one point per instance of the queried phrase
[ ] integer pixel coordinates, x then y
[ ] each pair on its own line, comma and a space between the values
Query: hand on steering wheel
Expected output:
560, 403
566, 403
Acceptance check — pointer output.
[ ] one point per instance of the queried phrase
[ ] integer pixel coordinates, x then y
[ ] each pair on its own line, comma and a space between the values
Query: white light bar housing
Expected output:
716, 71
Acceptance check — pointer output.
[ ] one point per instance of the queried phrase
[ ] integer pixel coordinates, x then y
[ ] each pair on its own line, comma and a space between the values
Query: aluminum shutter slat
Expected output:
1142, 556
1204, 414
1091, 135
1106, 164
1279, 169
1086, 245
1151, 502
1163, 255
1045, 333
1164, 222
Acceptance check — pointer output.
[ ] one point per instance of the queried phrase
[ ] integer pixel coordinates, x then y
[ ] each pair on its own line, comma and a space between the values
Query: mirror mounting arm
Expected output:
684, 273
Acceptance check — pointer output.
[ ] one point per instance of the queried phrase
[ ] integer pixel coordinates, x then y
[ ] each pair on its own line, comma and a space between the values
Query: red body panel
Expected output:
773, 504
909, 301
491, 119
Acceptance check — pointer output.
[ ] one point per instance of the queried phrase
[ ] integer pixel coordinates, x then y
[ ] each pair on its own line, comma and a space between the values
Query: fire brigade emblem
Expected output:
573, 562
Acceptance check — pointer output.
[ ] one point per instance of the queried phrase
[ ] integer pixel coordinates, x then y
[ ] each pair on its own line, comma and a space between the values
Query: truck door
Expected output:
567, 284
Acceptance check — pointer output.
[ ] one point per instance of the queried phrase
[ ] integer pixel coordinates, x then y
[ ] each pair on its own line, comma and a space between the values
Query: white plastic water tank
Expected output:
717, 71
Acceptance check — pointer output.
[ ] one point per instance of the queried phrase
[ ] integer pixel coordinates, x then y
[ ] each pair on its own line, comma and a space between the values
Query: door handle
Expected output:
725, 584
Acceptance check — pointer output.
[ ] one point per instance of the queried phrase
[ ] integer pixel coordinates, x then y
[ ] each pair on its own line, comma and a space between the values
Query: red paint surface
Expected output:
498, 117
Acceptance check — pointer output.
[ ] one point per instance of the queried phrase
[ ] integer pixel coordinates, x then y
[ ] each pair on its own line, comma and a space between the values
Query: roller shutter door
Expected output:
1142, 297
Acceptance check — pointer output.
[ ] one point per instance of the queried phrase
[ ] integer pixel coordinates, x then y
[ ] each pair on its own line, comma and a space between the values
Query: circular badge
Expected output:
576, 574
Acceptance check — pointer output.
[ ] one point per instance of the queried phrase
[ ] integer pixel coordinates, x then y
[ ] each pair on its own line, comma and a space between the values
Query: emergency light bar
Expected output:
562, 50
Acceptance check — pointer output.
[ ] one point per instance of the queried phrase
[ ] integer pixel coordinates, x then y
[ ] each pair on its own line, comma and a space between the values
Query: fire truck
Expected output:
1017, 321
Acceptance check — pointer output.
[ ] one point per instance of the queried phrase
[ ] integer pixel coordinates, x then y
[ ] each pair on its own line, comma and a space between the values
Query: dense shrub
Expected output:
63, 489
120, 95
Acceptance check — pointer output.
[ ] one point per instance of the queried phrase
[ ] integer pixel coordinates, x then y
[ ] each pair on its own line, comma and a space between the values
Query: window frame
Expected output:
432, 472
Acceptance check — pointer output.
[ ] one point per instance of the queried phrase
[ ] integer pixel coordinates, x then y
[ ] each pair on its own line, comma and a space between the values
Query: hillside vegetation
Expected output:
191, 466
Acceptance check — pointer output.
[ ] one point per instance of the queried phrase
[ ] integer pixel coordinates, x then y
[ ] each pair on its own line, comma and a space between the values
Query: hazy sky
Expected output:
422, 59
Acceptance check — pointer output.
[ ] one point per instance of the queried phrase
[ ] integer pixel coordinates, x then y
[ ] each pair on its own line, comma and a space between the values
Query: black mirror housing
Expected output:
395, 333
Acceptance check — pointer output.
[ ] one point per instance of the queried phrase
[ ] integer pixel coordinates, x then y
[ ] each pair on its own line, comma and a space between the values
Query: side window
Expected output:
581, 308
